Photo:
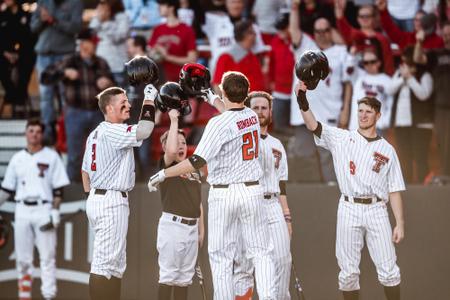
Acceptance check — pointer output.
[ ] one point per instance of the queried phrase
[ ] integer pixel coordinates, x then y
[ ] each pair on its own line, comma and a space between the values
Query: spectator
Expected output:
137, 46
364, 37
142, 14
85, 75
17, 57
422, 21
219, 29
173, 43
240, 58
111, 25
439, 62
280, 73
330, 100
403, 13
265, 13
311, 10
412, 115
372, 82
57, 22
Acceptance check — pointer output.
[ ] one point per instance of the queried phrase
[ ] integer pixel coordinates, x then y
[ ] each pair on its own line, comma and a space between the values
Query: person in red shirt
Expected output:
280, 73
404, 38
365, 35
172, 43
240, 58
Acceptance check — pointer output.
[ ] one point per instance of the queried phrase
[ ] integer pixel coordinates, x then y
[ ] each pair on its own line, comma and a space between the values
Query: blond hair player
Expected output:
369, 176
108, 175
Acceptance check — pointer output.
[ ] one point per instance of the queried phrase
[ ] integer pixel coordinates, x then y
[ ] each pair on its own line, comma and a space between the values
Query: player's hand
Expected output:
155, 180
398, 233
150, 92
300, 86
209, 96
55, 217
174, 114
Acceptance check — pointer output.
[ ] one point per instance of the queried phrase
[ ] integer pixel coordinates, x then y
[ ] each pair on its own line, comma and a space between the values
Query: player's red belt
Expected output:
184, 221
362, 200
224, 186
103, 192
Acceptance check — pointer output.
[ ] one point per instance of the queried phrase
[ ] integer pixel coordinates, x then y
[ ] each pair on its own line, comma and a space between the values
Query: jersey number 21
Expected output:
250, 146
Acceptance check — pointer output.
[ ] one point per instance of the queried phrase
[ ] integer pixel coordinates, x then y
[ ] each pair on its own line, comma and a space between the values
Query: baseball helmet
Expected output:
4, 232
171, 96
142, 70
311, 68
194, 78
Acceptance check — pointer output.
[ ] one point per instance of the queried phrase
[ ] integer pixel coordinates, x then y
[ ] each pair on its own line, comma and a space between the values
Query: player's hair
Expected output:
164, 136
35, 122
140, 41
257, 94
372, 102
104, 98
241, 28
235, 86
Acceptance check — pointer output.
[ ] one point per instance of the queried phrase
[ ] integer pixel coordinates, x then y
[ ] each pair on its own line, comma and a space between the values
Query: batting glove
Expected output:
209, 96
150, 92
55, 217
155, 180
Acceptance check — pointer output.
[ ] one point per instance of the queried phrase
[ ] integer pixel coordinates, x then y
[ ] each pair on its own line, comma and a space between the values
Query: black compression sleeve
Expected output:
147, 113
302, 101
197, 162
283, 187
318, 131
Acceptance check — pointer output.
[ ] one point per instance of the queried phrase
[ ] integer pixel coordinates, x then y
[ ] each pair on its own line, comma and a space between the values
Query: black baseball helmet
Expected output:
171, 96
311, 68
194, 78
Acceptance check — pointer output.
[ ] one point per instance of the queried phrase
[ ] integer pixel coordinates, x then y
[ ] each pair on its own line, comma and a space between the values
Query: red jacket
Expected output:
404, 38
281, 65
352, 35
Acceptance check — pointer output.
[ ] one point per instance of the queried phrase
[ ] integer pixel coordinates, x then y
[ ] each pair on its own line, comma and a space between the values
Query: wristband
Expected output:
302, 101
147, 113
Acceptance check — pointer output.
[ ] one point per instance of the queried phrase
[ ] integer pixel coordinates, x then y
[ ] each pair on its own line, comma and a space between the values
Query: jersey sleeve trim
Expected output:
318, 131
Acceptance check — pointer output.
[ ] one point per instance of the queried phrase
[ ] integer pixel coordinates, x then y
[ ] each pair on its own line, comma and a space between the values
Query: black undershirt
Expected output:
181, 196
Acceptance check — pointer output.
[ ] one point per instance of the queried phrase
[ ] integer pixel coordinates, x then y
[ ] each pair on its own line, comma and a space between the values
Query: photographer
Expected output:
84, 75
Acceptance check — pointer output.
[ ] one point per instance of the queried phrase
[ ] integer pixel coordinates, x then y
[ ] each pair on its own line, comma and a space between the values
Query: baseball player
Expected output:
229, 146
36, 177
369, 176
330, 100
180, 228
273, 161
108, 175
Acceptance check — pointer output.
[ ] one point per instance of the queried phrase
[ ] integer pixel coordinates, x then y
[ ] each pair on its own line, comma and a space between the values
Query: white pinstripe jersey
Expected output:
230, 146
274, 164
109, 158
363, 168
35, 175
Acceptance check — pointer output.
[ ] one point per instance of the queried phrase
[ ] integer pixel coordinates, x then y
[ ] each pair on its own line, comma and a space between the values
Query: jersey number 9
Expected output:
250, 146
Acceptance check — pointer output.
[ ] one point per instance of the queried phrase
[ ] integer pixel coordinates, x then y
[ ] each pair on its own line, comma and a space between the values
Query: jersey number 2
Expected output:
93, 163
250, 146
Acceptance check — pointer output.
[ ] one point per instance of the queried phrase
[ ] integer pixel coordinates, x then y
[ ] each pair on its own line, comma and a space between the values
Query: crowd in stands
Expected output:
395, 50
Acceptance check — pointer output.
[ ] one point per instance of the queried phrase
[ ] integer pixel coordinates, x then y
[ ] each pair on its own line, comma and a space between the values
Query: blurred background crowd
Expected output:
57, 55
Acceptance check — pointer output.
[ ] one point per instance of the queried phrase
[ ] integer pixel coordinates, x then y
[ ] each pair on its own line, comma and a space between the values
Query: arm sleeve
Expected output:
122, 136
394, 175
392, 30
59, 175
154, 37
330, 137
345, 29
212, 140
422, 89
74, 23
10, 180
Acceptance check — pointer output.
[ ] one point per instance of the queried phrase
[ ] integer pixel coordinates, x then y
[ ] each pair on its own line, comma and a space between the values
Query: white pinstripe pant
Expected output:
356, 222
108, 217
281, 254
232, 212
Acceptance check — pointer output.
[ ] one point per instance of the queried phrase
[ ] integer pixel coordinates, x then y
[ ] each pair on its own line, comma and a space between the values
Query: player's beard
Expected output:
264, 121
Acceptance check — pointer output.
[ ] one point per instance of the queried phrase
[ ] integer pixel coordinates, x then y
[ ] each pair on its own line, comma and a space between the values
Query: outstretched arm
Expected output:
308, 116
